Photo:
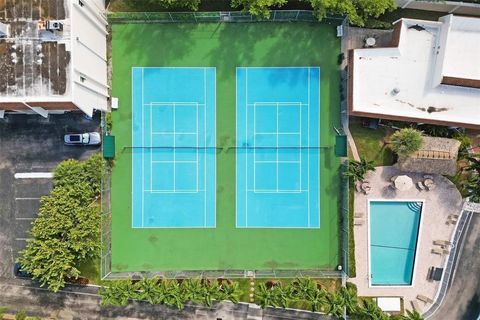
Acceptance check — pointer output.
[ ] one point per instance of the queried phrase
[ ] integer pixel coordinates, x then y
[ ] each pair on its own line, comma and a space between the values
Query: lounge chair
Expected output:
424, 298
442, 243
420, 186
358, 187
359, 214
453, 216
358, 222
451, 221
416, 306
440, 251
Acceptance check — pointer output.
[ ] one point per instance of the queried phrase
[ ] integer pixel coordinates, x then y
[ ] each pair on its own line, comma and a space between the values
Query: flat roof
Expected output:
34, 63
462, 50
402, 82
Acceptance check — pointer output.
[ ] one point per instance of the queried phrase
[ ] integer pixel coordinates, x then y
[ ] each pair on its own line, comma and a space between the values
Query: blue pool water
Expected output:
394, 229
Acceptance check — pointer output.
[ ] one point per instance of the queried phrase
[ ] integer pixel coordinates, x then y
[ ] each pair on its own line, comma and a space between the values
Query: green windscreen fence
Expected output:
108, 147
341, 146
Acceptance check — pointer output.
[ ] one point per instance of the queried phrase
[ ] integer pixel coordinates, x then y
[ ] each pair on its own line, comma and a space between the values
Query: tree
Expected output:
258, 8
210, 292
265, 296
473, 164
406, 141
50, 262
349, 295
229, 291
66, 231
21, 315
473, 188
118, 293
358, 169
174, 294
317, 299
371, 311
357, 12
280, 295
183, 4
334, 304
413, 315
193, 290
301, 288
148, 289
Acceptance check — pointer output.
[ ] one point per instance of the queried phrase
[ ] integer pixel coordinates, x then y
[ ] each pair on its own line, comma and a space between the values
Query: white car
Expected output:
83, 139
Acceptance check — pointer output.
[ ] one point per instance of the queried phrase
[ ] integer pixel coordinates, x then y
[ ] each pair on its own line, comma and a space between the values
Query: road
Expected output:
462, 301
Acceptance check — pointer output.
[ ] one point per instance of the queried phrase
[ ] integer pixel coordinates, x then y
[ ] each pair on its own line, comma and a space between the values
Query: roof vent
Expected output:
395, 91
53, 25
4, 30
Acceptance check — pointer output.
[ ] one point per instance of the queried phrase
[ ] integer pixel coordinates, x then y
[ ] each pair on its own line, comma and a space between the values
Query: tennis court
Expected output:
278, 143
173, 130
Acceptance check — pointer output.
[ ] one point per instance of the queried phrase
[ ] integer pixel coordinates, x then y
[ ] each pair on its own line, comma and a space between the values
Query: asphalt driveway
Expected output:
30, 143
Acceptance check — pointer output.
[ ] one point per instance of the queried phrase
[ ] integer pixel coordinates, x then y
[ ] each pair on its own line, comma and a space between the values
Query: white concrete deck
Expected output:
439, 203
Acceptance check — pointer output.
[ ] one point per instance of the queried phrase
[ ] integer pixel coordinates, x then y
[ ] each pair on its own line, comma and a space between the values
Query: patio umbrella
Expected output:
403, 182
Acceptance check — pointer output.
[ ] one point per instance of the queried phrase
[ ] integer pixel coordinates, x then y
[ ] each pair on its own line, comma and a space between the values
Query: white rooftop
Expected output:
404, 81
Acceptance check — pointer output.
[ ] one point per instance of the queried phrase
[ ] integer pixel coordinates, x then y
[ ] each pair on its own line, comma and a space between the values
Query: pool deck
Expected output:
439, 203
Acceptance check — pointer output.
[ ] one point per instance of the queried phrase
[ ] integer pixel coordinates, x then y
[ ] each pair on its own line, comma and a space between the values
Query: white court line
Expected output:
24, 218
27, 198
246, 151
280, 161
171, 161
172, 103
278, 133
274, 104
308, 152
276, 126
143, 153
170, 133
205, 150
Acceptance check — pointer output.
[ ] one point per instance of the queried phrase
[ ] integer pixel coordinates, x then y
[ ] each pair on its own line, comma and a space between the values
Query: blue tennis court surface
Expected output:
278, 147
173, 140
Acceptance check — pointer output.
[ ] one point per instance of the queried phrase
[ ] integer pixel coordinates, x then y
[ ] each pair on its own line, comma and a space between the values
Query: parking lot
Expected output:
31, 144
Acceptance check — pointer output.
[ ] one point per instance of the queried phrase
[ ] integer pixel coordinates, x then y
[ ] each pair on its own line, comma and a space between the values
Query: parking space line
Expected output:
33, 175
20, 198
23, 239
24, 218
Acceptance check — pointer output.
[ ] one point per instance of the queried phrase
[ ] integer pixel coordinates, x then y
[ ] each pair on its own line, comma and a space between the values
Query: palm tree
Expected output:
317, 299
406, 141
358, 169
413, 315
229, 291
301, 287
349, 294
371, 311
473, 188
193, 290
210, 292
474, 164
148, 289
335, 304
265, 296
118, 293
174, 295
281, 295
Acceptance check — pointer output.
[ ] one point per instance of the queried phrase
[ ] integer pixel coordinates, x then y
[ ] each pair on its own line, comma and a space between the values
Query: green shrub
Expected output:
66, 231
21, 315
406, 141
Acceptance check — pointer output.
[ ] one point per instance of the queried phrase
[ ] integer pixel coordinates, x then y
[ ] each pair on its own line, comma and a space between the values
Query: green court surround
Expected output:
225, 46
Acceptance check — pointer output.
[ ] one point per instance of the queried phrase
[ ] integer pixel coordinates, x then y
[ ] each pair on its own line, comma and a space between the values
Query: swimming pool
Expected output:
393, 238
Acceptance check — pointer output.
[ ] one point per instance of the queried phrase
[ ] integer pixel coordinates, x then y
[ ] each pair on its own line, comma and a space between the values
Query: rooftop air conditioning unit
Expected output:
52, 25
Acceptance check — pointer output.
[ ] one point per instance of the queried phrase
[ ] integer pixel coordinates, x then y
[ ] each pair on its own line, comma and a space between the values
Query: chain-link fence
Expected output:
229, 16
221, 16
106, 213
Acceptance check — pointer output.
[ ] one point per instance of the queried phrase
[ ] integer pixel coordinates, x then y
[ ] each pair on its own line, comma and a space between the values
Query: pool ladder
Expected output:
414, 206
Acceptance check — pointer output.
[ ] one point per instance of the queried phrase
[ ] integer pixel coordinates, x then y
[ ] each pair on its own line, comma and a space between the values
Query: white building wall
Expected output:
89, 55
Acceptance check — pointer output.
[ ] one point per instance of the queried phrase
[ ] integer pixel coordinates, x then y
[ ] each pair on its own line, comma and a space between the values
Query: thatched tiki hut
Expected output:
436, 156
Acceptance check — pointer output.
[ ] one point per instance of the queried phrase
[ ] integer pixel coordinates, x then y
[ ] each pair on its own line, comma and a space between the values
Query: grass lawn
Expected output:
225, 46
370, 144
90, 269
